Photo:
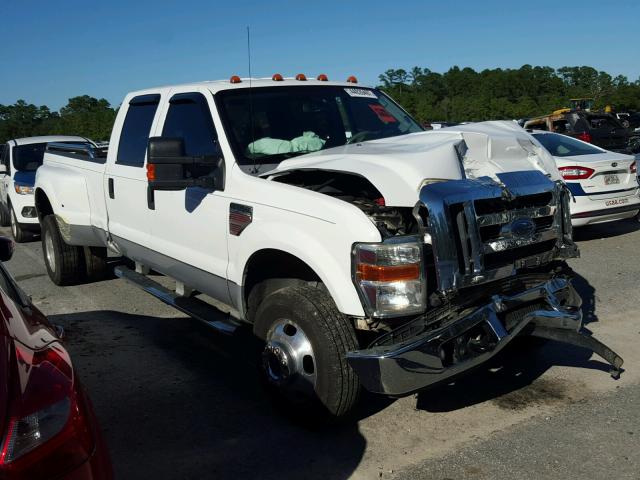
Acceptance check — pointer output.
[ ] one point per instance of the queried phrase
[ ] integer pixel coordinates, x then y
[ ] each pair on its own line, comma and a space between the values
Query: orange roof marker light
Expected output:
301, 77
235, 79
323, 78
277, 77
352, 79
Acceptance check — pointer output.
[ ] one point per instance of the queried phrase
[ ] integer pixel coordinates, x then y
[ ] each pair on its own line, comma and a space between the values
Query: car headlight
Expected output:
22, 189
390, 277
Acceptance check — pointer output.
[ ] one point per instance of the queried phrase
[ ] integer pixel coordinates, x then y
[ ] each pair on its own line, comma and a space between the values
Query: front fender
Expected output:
324, 246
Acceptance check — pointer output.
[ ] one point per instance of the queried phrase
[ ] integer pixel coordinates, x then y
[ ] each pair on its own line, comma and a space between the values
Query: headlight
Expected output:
23, 189
390, 277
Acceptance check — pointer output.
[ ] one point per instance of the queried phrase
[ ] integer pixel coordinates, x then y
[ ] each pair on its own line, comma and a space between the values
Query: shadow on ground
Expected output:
178, 401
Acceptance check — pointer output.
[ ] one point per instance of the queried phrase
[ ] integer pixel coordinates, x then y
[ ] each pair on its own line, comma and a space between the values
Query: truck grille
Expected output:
484, 230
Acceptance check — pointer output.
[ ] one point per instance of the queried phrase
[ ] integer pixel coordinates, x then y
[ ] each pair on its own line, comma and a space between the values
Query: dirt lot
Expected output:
177, 400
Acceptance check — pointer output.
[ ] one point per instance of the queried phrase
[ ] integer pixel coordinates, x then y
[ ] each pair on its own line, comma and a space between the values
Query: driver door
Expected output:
190, 226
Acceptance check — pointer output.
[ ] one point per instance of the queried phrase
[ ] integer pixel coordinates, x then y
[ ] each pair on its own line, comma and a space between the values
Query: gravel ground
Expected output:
176, 400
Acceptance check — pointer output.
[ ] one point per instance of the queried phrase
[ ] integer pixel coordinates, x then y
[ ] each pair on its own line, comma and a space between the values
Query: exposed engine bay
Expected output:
358, 191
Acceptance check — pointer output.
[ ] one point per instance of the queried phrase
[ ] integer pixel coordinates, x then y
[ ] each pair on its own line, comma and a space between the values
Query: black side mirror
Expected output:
168, 168
7, 247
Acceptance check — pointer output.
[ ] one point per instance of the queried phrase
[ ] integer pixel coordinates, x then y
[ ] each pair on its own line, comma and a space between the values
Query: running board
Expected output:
193, 307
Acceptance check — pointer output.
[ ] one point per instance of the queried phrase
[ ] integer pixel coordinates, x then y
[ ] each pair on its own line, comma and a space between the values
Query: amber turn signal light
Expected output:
151, 172
395, 273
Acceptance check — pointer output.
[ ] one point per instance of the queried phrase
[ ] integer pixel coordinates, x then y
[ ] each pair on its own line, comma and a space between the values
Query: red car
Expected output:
47, 425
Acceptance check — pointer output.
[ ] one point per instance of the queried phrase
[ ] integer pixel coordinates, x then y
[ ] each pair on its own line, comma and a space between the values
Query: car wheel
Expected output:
95, 259
303, 359
65, 263
5, 218
19, 234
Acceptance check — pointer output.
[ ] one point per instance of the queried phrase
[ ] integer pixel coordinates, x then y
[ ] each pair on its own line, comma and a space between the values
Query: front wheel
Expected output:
19, 234
303, 361
65, 263
5, 218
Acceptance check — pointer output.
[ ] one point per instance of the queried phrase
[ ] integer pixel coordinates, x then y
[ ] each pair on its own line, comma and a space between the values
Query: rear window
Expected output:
136, 129
27, 158
563, 146
603, 121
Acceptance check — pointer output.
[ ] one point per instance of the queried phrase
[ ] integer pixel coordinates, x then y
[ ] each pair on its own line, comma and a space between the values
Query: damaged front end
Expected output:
497, 251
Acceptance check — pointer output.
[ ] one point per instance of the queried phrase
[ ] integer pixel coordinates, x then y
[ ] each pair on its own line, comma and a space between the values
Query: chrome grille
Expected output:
483, 230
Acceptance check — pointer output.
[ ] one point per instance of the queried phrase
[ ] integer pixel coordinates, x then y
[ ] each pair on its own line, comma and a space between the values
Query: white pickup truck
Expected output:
19, 160
364, 251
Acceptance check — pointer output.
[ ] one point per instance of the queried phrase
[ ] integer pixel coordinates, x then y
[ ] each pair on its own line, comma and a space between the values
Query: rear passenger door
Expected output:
191, 225
125, 181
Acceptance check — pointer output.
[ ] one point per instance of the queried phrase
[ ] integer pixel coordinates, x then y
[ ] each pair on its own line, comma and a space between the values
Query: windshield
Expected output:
28, 158
291, 121
563, 146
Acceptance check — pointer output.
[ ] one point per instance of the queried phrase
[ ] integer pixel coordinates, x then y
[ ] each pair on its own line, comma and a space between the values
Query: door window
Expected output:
135, 130
189, 118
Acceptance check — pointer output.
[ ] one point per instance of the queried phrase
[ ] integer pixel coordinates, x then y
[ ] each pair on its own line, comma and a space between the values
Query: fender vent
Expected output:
240, 217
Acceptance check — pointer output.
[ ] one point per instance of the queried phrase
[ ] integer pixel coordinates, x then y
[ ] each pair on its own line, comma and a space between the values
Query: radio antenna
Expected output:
253, 137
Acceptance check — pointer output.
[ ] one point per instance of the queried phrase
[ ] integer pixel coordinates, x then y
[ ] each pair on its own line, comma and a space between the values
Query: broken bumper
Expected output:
550, 310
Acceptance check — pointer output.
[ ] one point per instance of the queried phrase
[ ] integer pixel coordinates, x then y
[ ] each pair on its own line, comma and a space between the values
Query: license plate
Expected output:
617, 201
611, 179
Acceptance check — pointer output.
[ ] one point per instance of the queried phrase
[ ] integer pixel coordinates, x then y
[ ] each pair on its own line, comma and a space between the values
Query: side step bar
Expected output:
193, 307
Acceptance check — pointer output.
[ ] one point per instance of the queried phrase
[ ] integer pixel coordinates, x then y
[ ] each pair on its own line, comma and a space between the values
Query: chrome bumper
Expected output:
467, 342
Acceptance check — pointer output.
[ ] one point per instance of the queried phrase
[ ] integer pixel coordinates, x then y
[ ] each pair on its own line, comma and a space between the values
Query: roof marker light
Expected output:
352, 79
235, 79
301, 77
277, 77
323, 78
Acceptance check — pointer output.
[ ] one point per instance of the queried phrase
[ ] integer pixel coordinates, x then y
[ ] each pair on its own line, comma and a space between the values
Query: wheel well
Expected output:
43, 205
270, 270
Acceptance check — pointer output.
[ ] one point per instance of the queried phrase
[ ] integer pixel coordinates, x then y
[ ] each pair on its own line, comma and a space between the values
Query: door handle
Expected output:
111, 192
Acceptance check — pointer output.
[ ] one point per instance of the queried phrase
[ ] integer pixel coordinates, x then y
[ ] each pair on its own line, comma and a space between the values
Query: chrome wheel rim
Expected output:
49, 252
288, 359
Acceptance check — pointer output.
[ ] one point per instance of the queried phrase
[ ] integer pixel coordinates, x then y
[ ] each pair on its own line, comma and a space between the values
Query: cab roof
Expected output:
220, 85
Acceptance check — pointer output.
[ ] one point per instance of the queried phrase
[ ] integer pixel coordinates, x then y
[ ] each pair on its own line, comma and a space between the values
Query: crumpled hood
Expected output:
399, 166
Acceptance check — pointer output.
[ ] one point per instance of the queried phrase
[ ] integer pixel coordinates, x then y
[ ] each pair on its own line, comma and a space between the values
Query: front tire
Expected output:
5, 218
304, 358
19, 234
65, 263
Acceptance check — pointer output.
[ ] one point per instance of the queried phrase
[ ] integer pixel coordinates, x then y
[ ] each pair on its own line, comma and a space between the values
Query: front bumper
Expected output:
25, 209
470, 340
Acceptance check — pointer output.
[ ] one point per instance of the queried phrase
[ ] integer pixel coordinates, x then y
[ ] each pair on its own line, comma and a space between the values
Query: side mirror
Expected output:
3, 168
168, 168
6, 249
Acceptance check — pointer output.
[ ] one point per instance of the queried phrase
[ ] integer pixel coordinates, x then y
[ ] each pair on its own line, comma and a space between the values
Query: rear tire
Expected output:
95, 259
65, 263
19, 234
304, 358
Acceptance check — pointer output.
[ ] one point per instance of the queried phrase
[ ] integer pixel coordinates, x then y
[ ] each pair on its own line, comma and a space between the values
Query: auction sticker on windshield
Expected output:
360, 92
382, 113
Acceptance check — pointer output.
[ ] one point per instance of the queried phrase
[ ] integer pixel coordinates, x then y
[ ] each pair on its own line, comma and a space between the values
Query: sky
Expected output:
54, 50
